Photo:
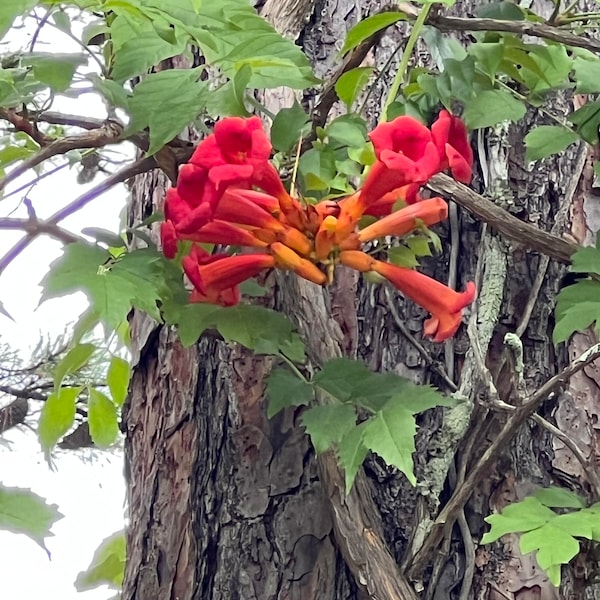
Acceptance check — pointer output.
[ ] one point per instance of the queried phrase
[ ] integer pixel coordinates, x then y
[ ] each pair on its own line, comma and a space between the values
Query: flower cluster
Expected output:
230, 194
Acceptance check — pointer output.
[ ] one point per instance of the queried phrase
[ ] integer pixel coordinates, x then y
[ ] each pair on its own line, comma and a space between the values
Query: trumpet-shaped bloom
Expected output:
230, 194
444, 304
450, 137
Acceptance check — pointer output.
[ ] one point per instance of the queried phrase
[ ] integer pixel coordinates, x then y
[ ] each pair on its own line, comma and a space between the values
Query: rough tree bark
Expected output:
225, 504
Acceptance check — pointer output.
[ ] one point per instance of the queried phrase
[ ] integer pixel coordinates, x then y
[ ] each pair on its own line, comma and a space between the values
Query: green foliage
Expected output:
552, 535
546, 140
390, 401
351, 84
22, 511
113, 284
74, 360
57, 416
578, 305
368, 27
117, 379
102, 419
107, 566
288, 126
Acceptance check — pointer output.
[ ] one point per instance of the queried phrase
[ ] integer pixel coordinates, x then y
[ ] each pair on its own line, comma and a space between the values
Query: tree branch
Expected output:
516, 418
140, 166
34, 227
501, 220
96, 138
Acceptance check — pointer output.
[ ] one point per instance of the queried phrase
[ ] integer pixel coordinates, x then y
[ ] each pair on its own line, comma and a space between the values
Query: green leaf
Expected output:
117, 379
260, 329
138, 46
391, 435
22, 511
57, 416
229, 99
351, 84
10, 10
75, 359
326, 425
102, 419
587, 120
488, 57
192, 320
587, 260
556, 497
107, 566
288, 125
113, 286
368, 27
403, 257
286, 389
518, 517
340, 376
55, 70
577, 307
504, 10
546, 140
554, 547
491, 107
351, 453
348, 130
110, 238
587, 75
180, 96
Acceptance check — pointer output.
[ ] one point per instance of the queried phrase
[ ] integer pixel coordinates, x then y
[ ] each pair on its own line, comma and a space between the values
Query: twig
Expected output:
517, 417
501, 220
35, 227
140, 166
429, 361
96, 138
23, 393
465, 532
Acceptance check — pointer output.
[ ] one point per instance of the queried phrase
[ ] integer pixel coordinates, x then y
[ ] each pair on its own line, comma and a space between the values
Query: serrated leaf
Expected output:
351, 453
117, 379
340, 376
579, 523
368, 27
491, 107
553, 545
351, 83
260, 329
55, 70
326, 425
138, 46
577, 307
57, 416
286, 389
288, 125
181, 98
102, 418
112, 286
391, 435
229, 99
586, 260
546, 140
22, 511
75, 359
192, 320
518, 517
557, 497
107, 566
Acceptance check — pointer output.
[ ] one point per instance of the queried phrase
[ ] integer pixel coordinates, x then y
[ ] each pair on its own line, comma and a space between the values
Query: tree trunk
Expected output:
226, 504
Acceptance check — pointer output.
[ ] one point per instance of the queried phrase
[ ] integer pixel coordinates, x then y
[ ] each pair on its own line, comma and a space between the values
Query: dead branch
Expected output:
514, 229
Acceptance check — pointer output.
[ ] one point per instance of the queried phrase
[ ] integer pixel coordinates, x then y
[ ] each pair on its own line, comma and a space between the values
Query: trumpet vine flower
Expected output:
231, 195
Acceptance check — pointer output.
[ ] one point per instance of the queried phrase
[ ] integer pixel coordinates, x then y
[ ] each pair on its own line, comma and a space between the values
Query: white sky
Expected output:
90, 493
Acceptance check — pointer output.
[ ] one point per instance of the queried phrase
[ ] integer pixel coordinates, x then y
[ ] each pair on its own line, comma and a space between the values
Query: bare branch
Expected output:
140, 166
36, 227
516, 230
96, 138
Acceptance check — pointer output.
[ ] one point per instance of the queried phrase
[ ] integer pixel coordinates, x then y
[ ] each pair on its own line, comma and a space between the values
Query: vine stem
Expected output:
293, 367
410, 44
